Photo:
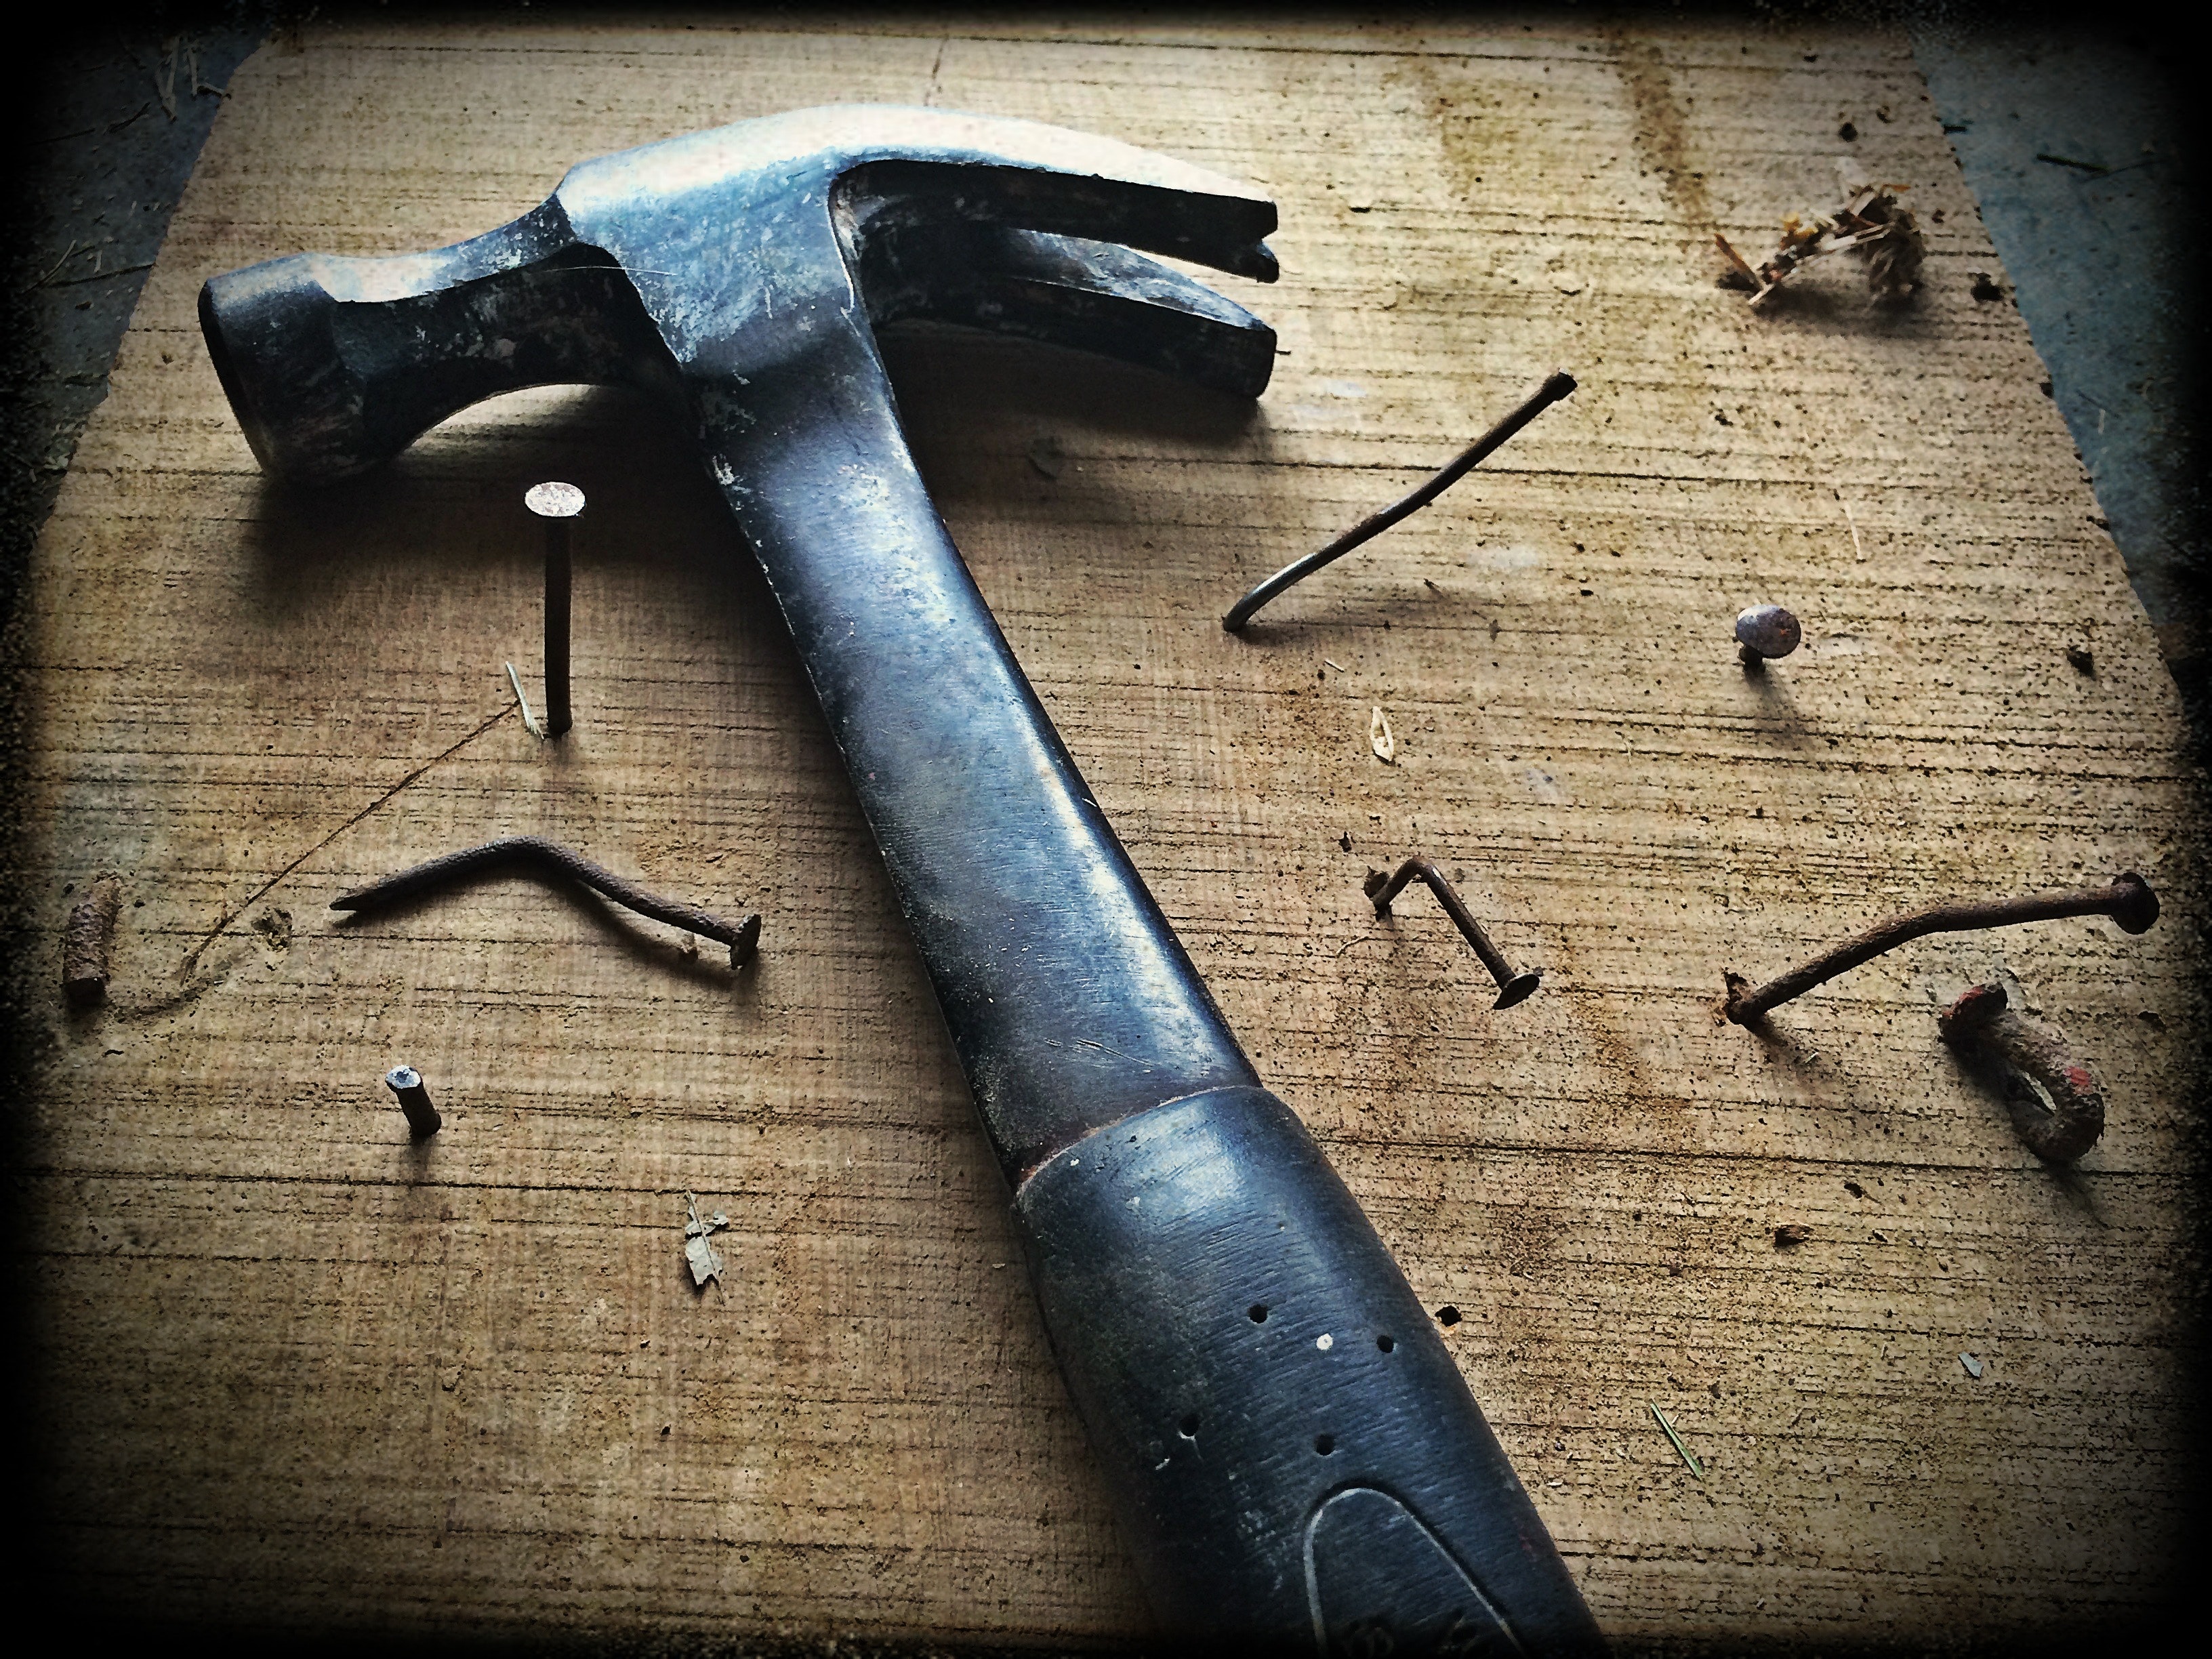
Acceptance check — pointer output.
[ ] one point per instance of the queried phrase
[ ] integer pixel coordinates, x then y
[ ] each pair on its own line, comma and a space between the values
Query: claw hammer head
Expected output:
706, 263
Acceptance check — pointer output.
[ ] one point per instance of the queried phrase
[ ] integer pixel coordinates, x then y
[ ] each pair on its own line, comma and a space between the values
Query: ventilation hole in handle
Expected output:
1385, 1343
1324, 1444
1189, 1426
1257, 1313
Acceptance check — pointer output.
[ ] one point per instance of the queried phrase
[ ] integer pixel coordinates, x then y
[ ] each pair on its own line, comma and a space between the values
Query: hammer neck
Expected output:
1070, 1000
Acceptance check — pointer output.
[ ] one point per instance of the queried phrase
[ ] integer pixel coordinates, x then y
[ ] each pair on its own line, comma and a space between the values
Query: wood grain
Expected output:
292, 1368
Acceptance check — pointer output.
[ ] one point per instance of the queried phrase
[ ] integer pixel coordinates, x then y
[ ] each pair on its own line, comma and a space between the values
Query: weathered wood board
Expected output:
292, 1368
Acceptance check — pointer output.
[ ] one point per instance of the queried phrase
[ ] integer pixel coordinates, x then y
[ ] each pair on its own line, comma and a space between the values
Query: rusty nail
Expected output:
1512, 986
556, 503
743, 936
1765, 631
2055, 1102
2129, 901
1555, 387
423, 1119
88, 940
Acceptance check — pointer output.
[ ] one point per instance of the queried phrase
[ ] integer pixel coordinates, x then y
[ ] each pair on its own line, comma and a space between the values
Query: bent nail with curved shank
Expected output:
550, 857
2128, 901
1513, 985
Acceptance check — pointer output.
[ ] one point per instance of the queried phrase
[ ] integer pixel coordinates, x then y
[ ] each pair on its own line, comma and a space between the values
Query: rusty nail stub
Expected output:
2055, 1102
88, 940
1765, 631
423, 1118
556, 503
2128, 901
1513, 986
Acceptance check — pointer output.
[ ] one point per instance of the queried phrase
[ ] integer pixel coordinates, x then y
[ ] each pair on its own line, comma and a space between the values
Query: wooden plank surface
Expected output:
293, 1369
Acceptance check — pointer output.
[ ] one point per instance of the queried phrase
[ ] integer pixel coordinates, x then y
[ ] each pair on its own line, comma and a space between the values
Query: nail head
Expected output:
1519, 989
558, 500
1976, 1006
1769, 630
2138, 907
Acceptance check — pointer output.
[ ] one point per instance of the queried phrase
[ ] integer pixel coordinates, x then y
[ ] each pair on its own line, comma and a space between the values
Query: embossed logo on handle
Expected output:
1379, 1582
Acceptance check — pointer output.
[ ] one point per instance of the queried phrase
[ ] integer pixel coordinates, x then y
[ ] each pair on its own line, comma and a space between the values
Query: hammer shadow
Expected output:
448, 510
945, 375
709, 967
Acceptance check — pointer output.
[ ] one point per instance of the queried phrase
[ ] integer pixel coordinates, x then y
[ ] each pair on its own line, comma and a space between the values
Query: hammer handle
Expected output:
1070, 1000
1293, 1453
1293, 1456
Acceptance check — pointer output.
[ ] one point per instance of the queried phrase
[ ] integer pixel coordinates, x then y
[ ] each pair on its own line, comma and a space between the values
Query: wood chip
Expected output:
705, 1261
1379, 738
88, 939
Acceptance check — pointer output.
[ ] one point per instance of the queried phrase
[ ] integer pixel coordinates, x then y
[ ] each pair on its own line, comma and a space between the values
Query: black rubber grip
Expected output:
1294, 1458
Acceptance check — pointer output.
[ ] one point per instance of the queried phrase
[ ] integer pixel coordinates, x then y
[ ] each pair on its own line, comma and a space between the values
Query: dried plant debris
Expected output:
1675, 1439
1872, 225
705, 1261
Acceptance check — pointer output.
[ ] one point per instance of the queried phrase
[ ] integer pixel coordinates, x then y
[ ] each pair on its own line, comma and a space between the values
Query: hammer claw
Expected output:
1071, 292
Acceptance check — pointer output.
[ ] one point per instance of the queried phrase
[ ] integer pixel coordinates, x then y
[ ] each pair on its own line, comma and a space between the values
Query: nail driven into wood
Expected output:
556, 504
1556, 387
1513, 986
2129, 901
423, 1119
88, 941
542, 856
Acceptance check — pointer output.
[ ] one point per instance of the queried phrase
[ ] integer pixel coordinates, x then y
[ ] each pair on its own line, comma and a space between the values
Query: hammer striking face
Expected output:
1292, 1451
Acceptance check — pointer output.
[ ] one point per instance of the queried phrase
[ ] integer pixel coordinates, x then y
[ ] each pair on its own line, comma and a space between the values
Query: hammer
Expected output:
1292, 1456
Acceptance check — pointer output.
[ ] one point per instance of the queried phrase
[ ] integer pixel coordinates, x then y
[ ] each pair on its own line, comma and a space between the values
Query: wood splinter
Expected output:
88, 942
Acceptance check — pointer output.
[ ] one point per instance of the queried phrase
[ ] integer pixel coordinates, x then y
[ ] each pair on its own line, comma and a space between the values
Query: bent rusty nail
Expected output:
2055, 1102
742, 937
1513, 986
87, 940
1557, 386
2129, 901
